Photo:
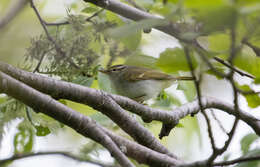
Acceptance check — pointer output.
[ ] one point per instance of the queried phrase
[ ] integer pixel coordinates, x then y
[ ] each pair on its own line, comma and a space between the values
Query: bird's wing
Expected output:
145, 74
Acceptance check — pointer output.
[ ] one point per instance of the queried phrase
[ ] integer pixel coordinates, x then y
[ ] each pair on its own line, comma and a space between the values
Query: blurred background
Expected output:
189, 141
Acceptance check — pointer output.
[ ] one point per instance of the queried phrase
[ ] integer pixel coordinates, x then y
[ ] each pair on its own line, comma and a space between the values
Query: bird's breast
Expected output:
144, 88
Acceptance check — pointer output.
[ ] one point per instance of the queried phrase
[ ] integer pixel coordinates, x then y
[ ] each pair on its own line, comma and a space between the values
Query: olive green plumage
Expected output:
139, 83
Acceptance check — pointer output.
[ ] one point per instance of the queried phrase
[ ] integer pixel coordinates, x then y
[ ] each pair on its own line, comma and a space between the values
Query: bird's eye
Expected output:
114, 69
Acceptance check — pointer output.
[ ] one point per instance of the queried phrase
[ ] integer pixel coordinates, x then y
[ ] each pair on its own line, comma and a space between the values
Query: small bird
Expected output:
139, 83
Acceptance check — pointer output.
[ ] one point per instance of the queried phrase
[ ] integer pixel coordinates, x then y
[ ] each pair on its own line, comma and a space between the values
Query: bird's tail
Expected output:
185, 78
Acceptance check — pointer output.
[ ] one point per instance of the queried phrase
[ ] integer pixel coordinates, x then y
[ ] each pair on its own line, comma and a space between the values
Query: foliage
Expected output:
80, 48
246, 142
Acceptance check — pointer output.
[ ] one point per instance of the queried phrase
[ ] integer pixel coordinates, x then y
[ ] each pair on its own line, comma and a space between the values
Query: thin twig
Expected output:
88, 19
218, 121
39, 63
233, 68
210, 133
95, 14
237, 160
65, 154
42, 23
231, 58
219, 151
201, 52
196, 82
57, 47
255, 48
252, 92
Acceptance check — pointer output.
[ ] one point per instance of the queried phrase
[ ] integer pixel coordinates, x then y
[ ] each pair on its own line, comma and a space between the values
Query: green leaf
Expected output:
188, 89
248, 61
247, 2
257, 81
166, 100
250, 163
250, 9
219, 42
174, 60
147, 4
134, 27
226, 156
218, 68
247, 141
189, 35
84, 109
23, 141
173, 1
42, 131
180, 125
202, 4
90, 9
166, 10
102, 119
141, 61
5, 102
63, 101
114, 18
3, 99
132, 41
217, 18
191, 127
6, 164
253, 100
104, 83
83, 80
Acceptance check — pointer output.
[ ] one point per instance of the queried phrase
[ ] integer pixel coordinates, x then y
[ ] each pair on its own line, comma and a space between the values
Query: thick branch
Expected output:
143, 154
99, 100
93, 97
15, 7
136, 15
45, 104
173, 29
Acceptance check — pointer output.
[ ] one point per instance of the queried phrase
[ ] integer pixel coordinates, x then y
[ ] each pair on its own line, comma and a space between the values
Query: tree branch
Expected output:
218, 122
65, 154
221, 163
82, 124
61, 89
173, 29
99, 100
45, 104
58, 49
233, 68
67, 22
137, 15
143, 154
15, 7
92, 97
234, 161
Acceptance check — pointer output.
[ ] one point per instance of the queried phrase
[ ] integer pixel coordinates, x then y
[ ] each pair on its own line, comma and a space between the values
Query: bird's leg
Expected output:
139, 99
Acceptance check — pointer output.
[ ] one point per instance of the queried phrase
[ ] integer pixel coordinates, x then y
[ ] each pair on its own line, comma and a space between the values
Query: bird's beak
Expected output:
103, 71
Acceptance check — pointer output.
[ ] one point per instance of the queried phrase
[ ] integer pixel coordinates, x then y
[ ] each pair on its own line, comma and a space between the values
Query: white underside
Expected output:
141, 90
